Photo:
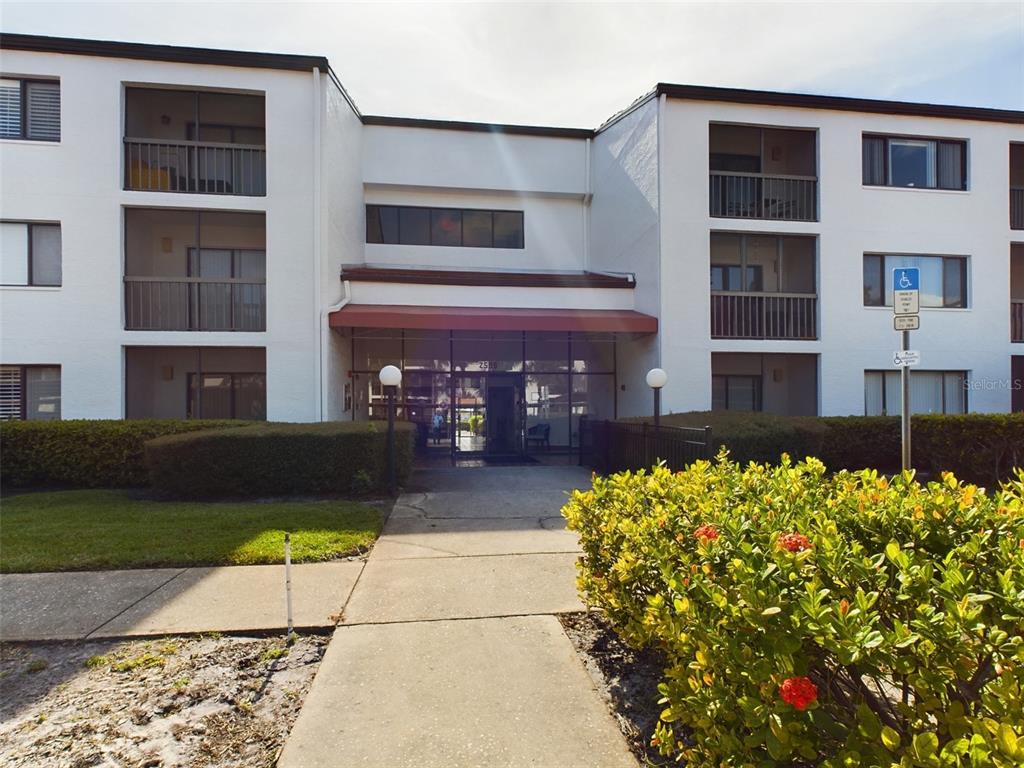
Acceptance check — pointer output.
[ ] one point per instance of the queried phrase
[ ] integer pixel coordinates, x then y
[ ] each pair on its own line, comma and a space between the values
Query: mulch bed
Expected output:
627, 679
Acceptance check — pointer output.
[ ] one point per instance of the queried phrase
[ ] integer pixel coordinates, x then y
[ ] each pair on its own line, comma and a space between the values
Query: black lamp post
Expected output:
390, 378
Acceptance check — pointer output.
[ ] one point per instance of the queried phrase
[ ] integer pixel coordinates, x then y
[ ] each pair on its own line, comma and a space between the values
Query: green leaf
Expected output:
926, 745
771, 611
890, 738
1007, 740
892, 551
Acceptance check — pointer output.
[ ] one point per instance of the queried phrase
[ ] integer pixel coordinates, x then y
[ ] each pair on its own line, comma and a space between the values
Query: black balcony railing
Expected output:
1016, 207
194, 304
756, 196
736, 315
153, 165
1017, 321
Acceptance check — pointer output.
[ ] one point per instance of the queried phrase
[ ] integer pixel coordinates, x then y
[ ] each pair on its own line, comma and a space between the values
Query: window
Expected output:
930, 392
901, 161
227, 396
29, 254
735, 393
29, 109
453, 227
943, 279
30, 392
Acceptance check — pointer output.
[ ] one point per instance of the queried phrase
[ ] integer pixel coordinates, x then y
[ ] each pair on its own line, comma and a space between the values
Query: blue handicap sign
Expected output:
906, 279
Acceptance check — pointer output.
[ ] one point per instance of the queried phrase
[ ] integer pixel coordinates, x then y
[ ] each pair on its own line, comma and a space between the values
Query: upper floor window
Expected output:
470, 228
30, 392
29, 254
759, 263
907, 161
943, 279
29, 109
194, 141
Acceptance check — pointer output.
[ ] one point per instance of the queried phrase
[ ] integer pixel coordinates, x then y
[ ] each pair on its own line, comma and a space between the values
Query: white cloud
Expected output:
575, 63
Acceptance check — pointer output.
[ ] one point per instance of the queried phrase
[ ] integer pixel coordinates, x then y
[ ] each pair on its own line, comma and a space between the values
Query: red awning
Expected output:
492, 319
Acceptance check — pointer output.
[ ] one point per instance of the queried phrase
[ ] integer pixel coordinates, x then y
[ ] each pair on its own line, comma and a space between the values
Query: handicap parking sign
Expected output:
906, 284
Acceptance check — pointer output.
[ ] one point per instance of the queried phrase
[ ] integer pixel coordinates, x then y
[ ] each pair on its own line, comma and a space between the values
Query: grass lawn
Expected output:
102, 529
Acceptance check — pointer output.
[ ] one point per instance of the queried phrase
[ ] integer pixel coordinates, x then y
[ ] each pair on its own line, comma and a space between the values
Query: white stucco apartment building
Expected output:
199, 233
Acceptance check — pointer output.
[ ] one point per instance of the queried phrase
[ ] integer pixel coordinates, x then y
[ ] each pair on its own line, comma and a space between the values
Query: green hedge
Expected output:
979, 448
815, 619
85, 453
278, 459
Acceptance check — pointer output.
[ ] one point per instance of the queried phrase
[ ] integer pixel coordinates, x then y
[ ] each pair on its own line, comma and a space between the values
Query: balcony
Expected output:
1017, 321
1017, 292
736, 315
763, 286
763, 173
194, 304
194, 271
193, 141
1016, 207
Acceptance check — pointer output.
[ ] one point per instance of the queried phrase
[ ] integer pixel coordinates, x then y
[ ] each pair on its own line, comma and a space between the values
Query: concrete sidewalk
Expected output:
95, 604
450, 653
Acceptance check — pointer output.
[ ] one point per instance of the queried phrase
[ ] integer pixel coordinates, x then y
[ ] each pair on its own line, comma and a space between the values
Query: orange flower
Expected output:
706, 533
844, 606
794, 542
799, 692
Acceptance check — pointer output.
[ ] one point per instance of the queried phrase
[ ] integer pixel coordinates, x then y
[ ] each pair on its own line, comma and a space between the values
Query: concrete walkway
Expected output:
450, 653
157, 601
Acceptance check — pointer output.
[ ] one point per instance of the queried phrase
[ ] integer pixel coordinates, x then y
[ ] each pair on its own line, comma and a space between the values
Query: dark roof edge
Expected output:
844, 103
152, 52
461, 125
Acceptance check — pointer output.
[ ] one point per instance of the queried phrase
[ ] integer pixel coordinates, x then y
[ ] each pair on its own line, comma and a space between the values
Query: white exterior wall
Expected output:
545, 177
624, 236
78, 183
854, 219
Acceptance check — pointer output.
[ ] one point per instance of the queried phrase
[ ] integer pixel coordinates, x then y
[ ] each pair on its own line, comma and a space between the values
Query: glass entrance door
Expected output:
504, 415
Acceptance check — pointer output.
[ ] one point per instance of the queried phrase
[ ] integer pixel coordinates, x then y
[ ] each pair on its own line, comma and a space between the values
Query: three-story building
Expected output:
200, 233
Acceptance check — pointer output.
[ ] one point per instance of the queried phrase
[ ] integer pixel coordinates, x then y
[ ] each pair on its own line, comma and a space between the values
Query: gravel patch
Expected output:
626, 678
177, 701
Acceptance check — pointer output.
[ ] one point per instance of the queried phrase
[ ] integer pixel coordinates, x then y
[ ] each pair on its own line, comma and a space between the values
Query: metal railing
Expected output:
738, 315
615, 446
757, 196
194, 304
153, 165
1016, 207
1017, 321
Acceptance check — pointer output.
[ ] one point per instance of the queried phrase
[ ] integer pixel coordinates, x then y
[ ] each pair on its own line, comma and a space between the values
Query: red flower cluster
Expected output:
798, 691
706, 533
794, 542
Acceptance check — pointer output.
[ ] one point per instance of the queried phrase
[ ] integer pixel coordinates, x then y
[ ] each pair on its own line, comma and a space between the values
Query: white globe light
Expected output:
656, 378
390, 376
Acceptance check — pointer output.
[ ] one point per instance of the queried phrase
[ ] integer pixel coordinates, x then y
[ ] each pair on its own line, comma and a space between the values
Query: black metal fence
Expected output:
614, 446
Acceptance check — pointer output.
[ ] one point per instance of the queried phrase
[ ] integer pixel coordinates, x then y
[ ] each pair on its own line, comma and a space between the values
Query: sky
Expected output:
575, 64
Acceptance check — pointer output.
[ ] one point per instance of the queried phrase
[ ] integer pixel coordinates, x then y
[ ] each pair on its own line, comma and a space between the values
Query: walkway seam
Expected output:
485, 554
457, 618
129, 607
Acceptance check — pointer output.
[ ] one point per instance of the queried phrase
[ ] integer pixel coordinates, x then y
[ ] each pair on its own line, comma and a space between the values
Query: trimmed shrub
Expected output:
85, 453
278, 459
814, 619
980, 448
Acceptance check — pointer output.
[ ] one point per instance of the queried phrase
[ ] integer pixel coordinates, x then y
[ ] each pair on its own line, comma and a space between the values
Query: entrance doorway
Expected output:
504, 420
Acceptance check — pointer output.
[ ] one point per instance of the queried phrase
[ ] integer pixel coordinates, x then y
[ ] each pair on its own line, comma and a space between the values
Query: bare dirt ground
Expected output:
626, 678
178, 701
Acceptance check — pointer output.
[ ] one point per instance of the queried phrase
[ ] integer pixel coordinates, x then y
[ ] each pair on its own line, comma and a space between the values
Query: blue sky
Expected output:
574, 64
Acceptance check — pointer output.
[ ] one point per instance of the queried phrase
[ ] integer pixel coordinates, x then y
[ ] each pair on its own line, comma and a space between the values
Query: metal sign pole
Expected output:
905, 415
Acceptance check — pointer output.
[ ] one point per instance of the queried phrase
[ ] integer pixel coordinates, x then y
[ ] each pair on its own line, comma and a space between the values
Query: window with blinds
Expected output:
30, 392
30, 254
906, 161
930, 392
30, 109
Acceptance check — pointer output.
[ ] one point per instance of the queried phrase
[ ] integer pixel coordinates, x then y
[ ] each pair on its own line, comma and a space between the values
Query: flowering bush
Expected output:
844, 620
